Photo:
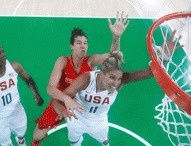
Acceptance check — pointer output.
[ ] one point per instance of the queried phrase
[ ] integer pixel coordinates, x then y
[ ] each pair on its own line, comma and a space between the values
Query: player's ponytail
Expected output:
114, 62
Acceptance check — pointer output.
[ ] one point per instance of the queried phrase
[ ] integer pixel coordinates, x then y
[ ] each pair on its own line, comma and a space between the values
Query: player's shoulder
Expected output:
16, 66
62, 59
90, 57
61, 62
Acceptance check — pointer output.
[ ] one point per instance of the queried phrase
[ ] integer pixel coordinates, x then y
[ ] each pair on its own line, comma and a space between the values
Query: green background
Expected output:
37, 42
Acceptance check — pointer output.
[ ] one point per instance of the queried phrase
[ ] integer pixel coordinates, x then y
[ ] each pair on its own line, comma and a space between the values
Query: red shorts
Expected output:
48, 118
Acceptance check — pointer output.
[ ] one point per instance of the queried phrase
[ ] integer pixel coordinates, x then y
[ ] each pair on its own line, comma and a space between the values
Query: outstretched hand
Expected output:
65, 114
71, 105
119, 26
170, 46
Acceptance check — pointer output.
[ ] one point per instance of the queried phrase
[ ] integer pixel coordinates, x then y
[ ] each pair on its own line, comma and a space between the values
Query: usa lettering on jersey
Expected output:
4, 85
96, 99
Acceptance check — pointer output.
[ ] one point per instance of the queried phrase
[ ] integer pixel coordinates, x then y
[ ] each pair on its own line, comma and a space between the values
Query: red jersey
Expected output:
69, 74
48, 118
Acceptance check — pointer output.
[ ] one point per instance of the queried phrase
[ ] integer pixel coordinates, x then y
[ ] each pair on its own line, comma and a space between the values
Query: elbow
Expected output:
49, 90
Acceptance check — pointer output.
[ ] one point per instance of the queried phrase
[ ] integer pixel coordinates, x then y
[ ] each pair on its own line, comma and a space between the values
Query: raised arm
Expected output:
135, 76
28, 80
166, 50
117, 30
129, 77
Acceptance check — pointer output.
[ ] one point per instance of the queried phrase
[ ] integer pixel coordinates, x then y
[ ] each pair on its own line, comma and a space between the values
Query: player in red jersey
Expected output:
97, 90
68, 68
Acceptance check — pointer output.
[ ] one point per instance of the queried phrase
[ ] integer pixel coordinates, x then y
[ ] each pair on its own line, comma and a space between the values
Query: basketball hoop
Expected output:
172, 90
174, 77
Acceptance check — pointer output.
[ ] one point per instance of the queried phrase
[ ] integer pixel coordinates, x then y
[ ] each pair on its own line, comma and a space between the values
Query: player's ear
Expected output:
71, 47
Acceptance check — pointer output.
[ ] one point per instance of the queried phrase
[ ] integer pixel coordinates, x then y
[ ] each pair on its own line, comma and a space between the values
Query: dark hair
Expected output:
113, 62
75, 33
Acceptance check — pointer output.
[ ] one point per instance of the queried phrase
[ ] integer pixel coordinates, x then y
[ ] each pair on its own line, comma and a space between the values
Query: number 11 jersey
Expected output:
97, 104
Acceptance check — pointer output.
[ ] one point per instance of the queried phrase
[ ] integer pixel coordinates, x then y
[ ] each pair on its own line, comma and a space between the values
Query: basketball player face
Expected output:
80, 46
112, 79
2, 57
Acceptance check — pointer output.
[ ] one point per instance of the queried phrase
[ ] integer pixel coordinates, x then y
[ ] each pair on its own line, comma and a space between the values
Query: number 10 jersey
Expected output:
9, 95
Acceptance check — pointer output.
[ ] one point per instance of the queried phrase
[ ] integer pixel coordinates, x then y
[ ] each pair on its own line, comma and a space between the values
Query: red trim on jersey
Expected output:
47, 120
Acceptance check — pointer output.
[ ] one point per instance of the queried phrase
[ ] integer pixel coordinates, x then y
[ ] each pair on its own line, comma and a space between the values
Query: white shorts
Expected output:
15, 123
97, 129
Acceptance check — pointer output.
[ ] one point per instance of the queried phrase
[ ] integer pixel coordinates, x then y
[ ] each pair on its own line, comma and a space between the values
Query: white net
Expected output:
175, 122
177, 64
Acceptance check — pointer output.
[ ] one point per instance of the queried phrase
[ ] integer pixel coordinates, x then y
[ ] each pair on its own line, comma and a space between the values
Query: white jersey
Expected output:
97, 104
9, 95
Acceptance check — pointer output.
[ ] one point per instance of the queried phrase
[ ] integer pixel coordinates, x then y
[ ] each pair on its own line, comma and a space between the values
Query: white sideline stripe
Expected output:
57, 128
111, 125
130, 133
14, 13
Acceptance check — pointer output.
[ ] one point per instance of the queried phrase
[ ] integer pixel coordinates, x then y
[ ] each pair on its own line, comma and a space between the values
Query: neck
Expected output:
77, 60
99, 84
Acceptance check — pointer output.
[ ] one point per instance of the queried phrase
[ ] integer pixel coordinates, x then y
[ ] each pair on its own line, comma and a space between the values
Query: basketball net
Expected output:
173, 119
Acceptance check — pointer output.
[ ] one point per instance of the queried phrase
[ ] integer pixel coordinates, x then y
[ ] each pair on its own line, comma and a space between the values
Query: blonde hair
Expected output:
114, 62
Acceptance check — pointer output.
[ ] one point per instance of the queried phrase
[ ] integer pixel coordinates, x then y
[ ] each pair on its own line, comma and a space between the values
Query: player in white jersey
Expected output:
95, 120
97, 91
12, 115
